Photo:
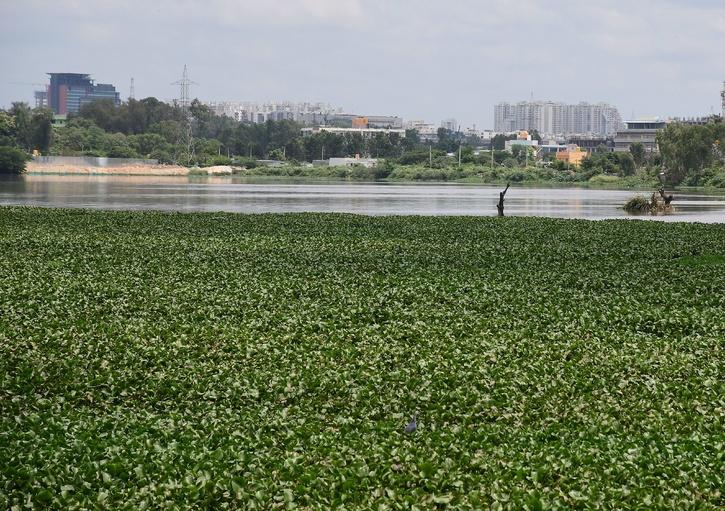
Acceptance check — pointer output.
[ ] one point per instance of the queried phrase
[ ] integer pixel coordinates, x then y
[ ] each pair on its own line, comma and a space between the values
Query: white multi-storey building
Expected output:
449, 124
557, 119
304, 113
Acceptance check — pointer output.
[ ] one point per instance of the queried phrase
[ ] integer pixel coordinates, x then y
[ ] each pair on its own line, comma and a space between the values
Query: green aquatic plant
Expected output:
152, 360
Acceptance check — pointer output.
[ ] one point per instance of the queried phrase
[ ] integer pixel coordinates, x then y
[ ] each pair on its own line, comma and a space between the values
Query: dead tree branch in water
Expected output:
501, 199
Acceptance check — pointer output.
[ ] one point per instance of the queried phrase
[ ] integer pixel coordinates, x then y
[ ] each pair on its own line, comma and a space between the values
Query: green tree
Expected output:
523, 153
41, 129
447, 140
638, 153
117, 146
7, 129
23, 132
104, 114
626, 164
146, 143
687, 150
171, 131
277, 154
12, 160
411, 140
499, 141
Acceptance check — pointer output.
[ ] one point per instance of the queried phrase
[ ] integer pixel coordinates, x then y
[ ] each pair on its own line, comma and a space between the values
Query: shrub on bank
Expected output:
716, 180
712, 177
12, 160
604, 179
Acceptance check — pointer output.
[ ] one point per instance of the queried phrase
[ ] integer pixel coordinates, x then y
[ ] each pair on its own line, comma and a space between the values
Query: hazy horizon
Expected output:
419, 60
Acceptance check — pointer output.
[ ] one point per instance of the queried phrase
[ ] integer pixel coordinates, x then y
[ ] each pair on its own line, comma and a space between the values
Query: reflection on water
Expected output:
261, 196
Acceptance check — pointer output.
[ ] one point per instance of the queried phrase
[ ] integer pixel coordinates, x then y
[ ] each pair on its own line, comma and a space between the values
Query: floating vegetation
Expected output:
152, 360
658, 204
637, 204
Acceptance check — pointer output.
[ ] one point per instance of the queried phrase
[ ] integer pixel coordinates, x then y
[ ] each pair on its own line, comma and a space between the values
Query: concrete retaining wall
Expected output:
92, 161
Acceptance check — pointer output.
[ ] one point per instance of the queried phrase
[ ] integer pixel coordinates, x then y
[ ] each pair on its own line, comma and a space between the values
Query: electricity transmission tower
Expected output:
187, 138
184, 88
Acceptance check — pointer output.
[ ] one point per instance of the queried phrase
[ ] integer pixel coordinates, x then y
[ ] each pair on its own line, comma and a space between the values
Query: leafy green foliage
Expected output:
12, 160
620, 164
7, 129
638, 152
30, 128
687, 150
499, 141
154, 360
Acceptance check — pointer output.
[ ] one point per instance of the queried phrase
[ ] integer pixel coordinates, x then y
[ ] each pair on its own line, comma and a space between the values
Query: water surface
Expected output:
249, 195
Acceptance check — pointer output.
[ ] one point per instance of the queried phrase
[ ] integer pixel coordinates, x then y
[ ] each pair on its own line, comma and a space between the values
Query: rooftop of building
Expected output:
75, 75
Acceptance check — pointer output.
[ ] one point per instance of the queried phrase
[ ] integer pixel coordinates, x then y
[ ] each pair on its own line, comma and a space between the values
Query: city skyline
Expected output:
647, 59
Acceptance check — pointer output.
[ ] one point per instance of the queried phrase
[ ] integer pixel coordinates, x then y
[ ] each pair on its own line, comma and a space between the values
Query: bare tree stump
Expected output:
666, 198
501, 199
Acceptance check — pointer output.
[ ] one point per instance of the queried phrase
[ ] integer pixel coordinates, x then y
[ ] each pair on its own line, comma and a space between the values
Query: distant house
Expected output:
523, 138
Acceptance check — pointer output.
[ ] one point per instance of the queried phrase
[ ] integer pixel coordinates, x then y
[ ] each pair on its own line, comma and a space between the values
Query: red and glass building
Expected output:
68, 92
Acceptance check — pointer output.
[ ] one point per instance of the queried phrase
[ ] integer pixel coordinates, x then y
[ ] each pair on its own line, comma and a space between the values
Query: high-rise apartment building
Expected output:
67, 92
722, 95
549, 118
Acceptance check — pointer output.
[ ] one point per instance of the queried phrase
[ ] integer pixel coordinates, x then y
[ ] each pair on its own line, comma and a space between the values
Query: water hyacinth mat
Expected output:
223, 361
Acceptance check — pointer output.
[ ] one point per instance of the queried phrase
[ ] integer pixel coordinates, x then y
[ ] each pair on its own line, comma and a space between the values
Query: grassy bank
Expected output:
465, 174
260, 361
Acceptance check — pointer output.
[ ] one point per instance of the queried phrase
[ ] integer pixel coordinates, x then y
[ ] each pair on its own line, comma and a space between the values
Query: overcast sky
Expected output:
420, 59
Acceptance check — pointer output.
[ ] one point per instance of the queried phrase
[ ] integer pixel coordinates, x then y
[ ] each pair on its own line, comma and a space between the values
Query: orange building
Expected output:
573, 156
360, 122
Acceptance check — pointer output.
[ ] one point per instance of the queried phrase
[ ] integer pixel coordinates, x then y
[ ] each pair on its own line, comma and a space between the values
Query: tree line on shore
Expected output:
149, 128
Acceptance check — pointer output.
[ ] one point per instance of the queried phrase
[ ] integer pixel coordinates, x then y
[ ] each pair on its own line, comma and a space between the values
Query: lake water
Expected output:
246, 195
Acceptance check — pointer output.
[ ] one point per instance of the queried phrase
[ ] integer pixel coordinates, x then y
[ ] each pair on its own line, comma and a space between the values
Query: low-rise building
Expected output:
509, 144
427, 132
573, 155
523, 138
545, 149
371, 121
351, 162
59, 121
592, 144
641, 131
449, 124
364, 132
